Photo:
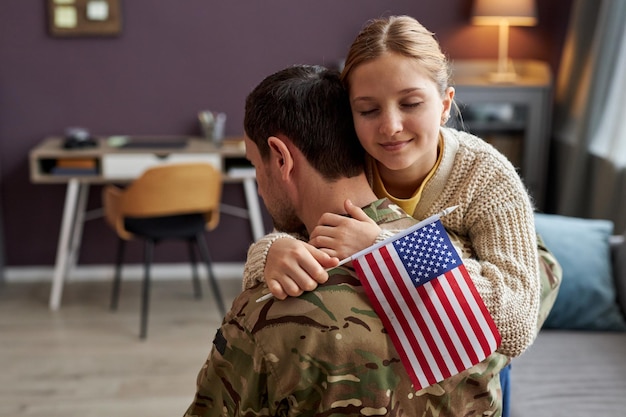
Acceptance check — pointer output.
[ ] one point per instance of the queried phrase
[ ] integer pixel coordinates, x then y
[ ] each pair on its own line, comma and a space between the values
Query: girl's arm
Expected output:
343, 236
287, 264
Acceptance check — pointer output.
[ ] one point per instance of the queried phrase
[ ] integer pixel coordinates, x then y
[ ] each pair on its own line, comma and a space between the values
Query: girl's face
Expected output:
397, 112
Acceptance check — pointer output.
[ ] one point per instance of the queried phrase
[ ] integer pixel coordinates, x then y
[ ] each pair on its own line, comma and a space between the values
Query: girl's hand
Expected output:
293, 266
342, 236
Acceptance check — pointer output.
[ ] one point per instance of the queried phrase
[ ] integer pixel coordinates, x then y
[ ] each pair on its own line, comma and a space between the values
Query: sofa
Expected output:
577, 364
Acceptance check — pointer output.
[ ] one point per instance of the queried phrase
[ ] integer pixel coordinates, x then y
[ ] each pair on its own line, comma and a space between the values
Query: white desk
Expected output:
117, 165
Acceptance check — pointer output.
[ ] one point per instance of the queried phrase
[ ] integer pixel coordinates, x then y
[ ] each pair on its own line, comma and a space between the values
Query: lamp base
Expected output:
508, 77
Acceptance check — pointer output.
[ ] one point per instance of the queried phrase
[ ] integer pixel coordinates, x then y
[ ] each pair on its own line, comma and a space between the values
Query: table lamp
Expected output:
504, 13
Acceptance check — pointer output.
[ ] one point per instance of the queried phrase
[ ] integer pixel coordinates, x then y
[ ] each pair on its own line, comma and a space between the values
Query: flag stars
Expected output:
426, 253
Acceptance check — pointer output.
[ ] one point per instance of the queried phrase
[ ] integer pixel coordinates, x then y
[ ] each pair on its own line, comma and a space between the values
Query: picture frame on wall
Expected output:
76, 18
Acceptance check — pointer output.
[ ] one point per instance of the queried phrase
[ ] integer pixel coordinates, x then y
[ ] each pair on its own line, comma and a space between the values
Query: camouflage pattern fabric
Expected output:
551, 275
327, 353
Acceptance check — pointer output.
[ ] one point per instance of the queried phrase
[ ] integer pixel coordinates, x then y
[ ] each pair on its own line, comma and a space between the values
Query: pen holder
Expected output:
213, 125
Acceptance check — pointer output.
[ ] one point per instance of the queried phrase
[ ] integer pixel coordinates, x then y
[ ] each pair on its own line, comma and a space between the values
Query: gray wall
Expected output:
172, 59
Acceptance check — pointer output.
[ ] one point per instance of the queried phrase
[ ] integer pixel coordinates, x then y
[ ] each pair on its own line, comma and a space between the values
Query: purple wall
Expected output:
172, 59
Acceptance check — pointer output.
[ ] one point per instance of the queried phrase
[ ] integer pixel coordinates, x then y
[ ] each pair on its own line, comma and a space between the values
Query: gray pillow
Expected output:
587, 298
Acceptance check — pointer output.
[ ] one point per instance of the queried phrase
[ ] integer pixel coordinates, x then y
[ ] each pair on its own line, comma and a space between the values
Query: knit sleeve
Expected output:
505, 268
499, 223
253, 270
495, 216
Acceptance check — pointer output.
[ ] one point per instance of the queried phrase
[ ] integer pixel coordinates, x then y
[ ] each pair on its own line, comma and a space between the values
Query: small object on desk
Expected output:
76, 163
75, 166
78, 138
117, 141
213, 125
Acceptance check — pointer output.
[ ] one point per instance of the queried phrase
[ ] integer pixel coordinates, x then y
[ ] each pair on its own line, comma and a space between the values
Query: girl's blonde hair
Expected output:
403, 35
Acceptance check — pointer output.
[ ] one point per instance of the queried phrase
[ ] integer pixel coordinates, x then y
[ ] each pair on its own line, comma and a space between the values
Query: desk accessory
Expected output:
213, 125
78, 138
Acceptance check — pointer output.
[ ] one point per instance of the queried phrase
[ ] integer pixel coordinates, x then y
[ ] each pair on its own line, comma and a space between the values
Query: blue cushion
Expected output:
587, 297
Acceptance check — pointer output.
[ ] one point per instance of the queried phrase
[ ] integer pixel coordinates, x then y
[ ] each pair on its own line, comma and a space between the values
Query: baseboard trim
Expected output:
129, 272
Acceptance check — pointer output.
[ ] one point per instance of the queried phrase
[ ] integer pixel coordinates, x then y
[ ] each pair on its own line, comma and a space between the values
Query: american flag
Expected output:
428, 303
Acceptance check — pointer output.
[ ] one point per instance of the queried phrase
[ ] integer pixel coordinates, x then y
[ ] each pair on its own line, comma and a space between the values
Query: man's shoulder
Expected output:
246, 302
388, 215
342, 284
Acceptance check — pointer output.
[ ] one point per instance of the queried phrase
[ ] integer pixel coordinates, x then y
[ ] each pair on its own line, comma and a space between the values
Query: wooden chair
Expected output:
173, 201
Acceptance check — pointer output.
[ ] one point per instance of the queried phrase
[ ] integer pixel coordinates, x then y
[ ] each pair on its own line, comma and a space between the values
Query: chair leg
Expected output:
197, 288
145, 296
115, 293
204, 251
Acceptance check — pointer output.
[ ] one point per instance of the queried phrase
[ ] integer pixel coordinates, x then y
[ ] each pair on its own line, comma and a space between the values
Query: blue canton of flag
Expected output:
427, 253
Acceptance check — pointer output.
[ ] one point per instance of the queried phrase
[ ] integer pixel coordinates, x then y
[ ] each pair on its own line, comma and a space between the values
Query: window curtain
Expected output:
588, 159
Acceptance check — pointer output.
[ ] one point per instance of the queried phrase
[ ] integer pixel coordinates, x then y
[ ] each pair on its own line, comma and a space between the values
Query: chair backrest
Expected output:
173, 189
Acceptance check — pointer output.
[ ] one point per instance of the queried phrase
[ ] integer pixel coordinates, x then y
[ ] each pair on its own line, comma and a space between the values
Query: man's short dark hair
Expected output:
309, 105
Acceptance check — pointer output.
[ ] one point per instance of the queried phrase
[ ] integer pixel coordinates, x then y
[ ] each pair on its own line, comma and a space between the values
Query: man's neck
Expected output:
330, 197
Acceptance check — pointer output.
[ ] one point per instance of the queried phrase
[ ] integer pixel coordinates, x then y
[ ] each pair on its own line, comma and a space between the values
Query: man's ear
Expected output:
281, 155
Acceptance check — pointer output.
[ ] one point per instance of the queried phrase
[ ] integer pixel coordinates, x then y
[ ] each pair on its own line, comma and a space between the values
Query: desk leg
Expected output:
67, 223
77, 228
254, 208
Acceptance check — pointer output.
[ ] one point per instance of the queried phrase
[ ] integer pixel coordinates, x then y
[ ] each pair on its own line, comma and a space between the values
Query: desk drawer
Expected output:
129, 166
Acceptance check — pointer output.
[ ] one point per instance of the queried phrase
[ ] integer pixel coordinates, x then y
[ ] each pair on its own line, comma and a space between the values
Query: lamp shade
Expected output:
515, 12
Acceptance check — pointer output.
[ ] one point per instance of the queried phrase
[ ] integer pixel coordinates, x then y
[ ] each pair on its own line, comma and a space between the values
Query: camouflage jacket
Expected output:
327, 353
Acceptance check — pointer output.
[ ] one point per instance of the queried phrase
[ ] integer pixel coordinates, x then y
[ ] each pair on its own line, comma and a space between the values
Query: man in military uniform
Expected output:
325, 352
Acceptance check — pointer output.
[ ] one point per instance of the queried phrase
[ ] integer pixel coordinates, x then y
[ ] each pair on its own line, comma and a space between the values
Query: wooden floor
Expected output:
87, 361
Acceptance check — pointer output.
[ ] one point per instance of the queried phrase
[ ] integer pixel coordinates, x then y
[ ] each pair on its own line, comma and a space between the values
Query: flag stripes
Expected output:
440, 327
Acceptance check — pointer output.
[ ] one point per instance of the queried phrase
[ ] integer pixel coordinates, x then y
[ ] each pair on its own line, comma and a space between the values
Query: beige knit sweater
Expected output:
495, 217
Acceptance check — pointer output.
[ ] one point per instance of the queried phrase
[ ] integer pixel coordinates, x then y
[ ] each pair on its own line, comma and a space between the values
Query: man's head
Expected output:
298, 126
309, 106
